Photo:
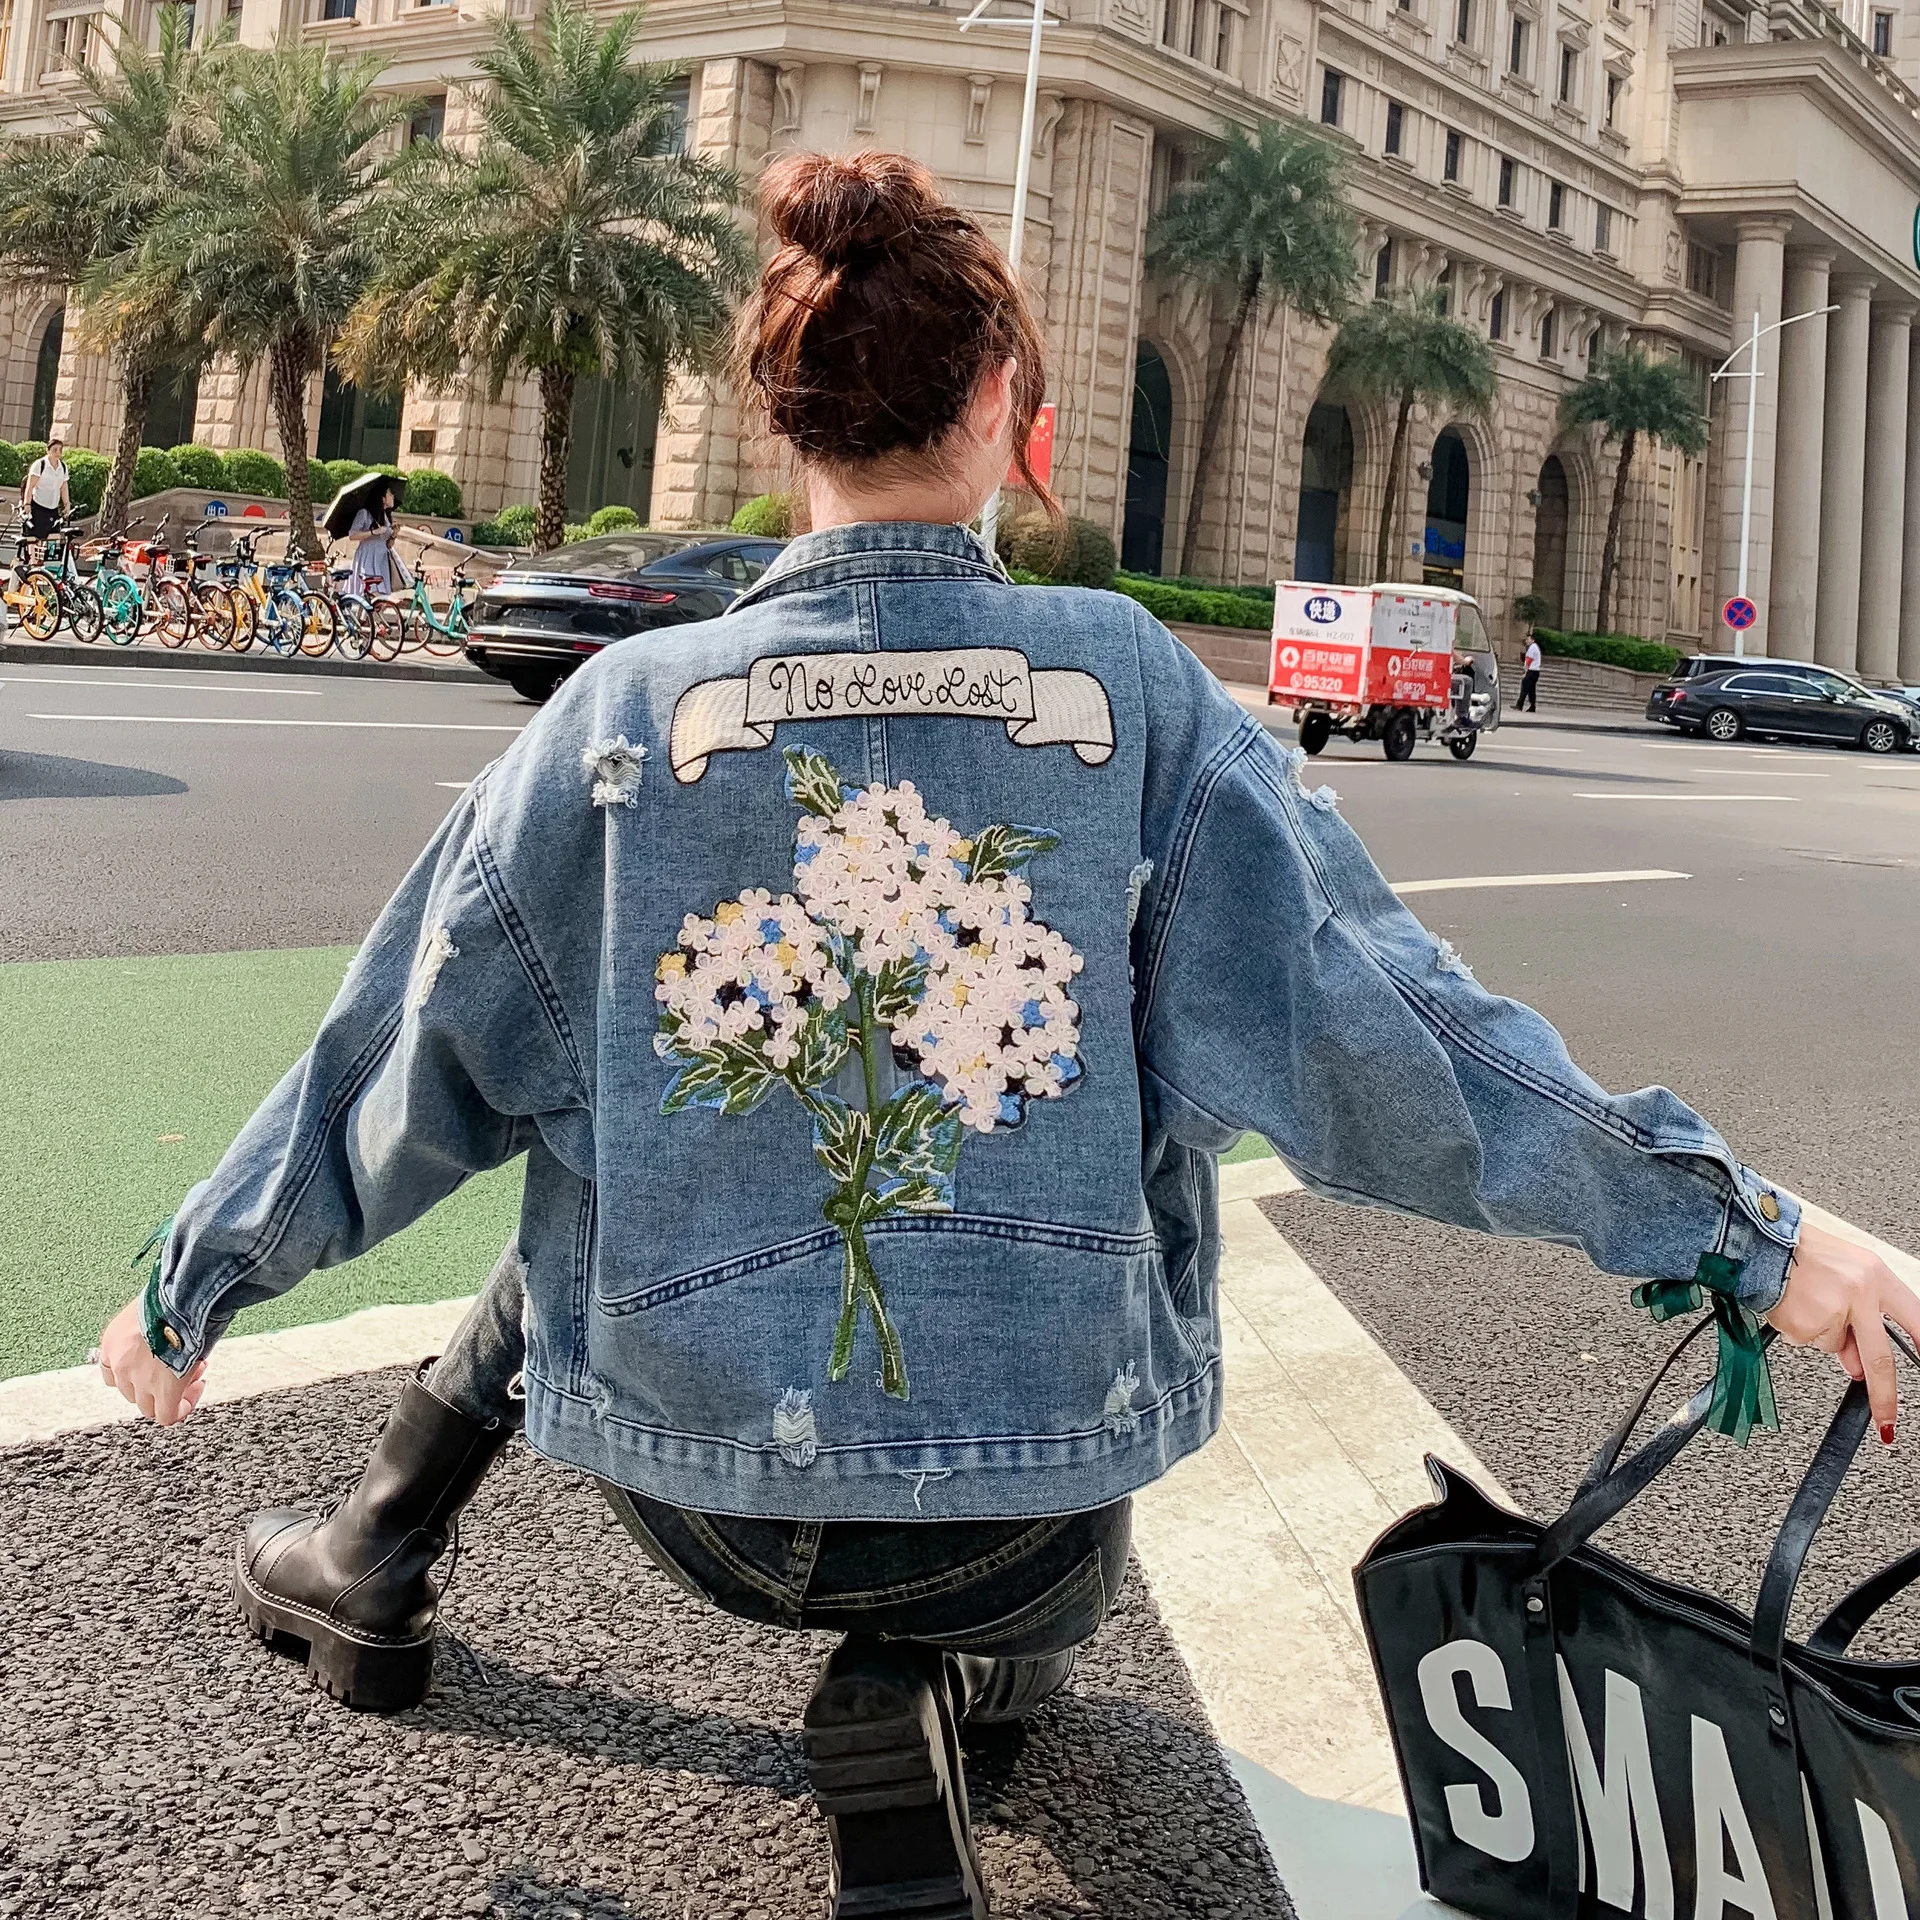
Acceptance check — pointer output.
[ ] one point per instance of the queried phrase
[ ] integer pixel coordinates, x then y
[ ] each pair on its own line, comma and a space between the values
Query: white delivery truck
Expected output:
1391, 662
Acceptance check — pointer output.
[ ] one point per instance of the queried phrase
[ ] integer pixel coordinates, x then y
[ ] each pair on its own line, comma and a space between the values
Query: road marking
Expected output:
1788, 797
223, 720
1501, 746
1768, 773
459, 786
1538, 880
160, 682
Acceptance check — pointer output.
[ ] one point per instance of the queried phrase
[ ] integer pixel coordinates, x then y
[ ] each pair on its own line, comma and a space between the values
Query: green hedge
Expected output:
339, 472
611, 520
248, 470
770, 515
433, 493
13, 464
1263, 594
1077, 554
86, 479
1613, 649
1197, 606
198, 467
153, 472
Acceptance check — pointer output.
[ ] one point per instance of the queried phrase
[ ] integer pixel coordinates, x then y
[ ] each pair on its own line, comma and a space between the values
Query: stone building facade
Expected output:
1574, 173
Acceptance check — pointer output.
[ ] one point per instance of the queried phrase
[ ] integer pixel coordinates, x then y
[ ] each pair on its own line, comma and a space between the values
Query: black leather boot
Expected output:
348, 1592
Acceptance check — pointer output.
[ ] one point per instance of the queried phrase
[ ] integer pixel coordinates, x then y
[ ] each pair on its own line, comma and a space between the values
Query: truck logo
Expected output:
1322, 609
1289, 656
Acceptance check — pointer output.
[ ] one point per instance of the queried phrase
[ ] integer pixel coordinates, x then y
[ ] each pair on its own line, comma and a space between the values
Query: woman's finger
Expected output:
1899, 1302
1876, 1355
1850, 1357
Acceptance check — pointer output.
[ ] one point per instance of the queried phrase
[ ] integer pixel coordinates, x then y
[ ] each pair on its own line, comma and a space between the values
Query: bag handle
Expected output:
1609, 1486
1811, 1501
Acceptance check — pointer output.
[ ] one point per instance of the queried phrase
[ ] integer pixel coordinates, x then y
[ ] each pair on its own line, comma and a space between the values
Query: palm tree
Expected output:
1629, 393
573, 242
1405, 348
75, 209
267, 243
1265, 223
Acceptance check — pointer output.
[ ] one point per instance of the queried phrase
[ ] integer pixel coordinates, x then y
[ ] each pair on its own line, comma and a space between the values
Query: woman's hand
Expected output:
1839, 1298
128, 1363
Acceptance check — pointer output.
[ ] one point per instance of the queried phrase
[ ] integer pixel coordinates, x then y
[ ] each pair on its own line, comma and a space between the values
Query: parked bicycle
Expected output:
51, 591
399, 626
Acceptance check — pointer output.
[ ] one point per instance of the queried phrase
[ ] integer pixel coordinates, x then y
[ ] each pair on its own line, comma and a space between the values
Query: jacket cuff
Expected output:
1761, 1231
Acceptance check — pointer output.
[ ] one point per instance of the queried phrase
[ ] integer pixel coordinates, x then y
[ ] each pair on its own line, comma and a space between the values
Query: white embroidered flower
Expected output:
753, 972
615, 766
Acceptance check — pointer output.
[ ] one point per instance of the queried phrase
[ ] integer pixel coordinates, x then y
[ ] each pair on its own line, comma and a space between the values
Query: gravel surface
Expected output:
1531, 1354
597, 1745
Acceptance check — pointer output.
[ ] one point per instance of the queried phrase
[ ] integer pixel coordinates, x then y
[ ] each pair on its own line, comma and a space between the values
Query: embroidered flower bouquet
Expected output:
902, 993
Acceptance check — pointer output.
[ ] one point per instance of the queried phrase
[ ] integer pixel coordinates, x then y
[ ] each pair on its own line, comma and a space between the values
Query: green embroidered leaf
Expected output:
839, 1135
999, 851
917, 1142
898, 990
919, 1196
812, 784
822, 1050
731, 1077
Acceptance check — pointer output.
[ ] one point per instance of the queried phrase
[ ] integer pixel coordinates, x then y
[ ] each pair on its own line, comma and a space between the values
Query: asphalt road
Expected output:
1773, 985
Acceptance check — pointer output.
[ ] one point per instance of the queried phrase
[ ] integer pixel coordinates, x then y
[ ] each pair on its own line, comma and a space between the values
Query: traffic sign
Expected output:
1739, 613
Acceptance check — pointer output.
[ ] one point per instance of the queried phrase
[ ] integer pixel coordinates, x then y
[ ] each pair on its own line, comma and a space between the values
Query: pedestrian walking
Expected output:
1529, 701
45, 496
377, 569
871, 977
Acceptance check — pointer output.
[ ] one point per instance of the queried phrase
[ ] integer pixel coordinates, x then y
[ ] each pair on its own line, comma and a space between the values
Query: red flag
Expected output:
1039, 450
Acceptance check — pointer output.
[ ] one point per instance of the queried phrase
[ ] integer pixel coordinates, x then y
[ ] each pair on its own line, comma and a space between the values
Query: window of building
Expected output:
1396, 125
1883, 35
1450, 164
1506, 181
679, 98
1547, 335
429, 121
1224, 33
1615, 88
1330, 98
1404, 6
1443, 288
336, 9
1497, 315
1603, 229
1569, 72
1556, 205
1703, 271
1517, 47
1463, 22
1383, 269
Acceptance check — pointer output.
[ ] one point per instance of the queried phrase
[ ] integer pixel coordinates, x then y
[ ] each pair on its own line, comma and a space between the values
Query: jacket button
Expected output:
1769, 1207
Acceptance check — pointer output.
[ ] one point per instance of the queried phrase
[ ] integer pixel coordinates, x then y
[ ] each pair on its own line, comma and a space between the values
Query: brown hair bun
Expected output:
880, 310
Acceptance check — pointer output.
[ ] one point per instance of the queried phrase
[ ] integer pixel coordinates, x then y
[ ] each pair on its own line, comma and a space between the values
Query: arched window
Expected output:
1444, 558
1326, 483
46, 376
1550, 540
1143, 533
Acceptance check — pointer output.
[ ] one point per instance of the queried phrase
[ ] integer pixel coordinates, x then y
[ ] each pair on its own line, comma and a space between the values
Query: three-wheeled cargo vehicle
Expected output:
1392, 662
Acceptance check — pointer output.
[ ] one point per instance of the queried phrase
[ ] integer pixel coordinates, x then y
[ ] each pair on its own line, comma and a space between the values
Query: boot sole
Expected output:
361, 1671
893, 1790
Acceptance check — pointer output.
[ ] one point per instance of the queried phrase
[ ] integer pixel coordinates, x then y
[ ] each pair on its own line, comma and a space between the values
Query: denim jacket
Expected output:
871, 978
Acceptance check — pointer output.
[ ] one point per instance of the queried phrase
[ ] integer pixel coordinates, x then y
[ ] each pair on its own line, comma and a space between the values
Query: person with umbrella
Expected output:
362, 511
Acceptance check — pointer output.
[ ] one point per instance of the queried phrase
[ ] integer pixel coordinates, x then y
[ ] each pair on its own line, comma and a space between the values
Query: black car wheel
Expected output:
1880, 736
1314, 730
1397, 736
1724, 724
1462, 744
534, 683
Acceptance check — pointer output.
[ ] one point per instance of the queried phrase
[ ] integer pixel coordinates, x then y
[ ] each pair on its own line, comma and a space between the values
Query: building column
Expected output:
1836, 630
1758, 265
1910, 585
1796, 514
1881, 570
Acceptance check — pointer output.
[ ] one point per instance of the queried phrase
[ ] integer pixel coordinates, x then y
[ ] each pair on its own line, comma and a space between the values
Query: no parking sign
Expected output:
1739, 613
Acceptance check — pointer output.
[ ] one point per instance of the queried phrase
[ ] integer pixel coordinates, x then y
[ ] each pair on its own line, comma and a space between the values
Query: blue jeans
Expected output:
1013, 1589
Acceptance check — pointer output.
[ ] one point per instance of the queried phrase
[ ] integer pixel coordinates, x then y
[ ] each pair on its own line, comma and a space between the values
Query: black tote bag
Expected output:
1578, 1738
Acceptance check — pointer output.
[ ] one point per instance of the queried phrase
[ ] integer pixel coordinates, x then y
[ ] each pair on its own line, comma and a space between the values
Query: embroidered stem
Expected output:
842, 1356
893, 1364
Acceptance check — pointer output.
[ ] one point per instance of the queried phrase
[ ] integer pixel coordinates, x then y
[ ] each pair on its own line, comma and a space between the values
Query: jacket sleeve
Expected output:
443, 1055
1286, 990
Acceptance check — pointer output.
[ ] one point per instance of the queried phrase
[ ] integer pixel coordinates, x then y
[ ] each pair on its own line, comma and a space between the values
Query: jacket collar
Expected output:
875, 550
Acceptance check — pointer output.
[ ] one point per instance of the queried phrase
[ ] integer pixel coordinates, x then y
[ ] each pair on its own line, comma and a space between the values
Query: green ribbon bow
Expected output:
1742, 1379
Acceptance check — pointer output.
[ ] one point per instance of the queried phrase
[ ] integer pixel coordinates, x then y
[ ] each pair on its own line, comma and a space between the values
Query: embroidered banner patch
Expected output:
1040, 706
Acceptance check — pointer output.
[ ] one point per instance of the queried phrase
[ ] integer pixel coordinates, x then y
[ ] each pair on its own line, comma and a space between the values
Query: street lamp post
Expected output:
1752, 378
1022, 172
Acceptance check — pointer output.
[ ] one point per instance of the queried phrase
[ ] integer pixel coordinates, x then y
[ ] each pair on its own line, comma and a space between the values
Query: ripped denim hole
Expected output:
1446, 959
1136, 887
795, 1431
435, 951
615, 766
1324, 798
1118, 1415
517, 1385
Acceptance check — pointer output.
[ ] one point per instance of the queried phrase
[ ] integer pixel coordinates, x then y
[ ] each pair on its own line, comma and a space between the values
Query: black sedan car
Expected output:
1784, 701
534, 624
